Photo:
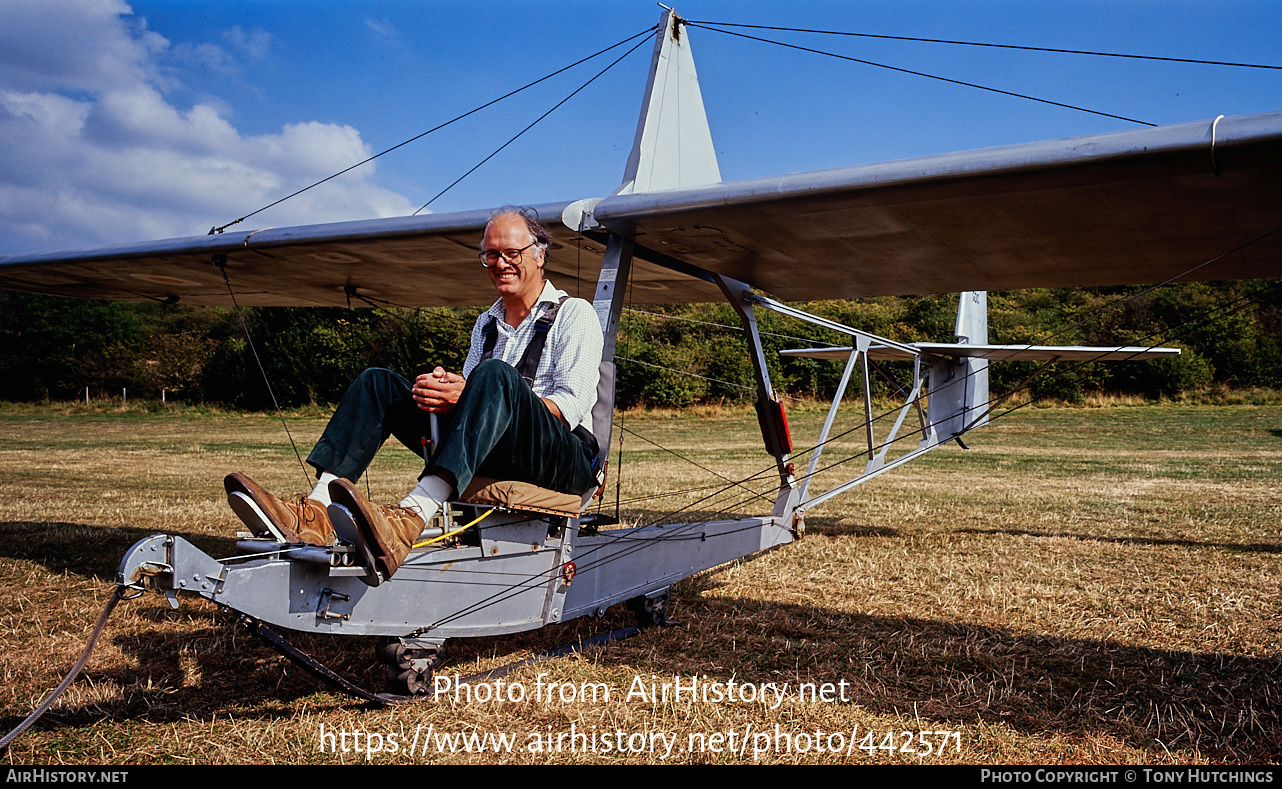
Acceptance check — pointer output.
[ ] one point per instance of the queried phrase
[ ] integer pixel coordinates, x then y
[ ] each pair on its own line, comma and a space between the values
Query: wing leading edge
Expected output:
1127, 207
1110, 209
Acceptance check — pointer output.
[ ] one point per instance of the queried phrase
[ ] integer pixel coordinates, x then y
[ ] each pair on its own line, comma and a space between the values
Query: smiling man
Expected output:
521, 410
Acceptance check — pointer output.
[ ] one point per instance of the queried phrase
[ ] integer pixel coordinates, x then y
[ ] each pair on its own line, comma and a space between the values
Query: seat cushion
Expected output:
521, 496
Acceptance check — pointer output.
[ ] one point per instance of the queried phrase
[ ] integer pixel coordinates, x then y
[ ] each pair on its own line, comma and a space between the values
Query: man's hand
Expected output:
438, 391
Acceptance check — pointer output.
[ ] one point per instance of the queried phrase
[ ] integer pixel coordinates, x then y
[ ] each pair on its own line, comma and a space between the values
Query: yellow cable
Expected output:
456, 531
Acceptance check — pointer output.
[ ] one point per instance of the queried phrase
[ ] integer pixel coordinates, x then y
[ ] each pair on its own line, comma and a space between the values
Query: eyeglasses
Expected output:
490, 257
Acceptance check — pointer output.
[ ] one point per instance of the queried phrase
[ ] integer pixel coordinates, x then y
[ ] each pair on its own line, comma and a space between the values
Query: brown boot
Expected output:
387, 531
297, 520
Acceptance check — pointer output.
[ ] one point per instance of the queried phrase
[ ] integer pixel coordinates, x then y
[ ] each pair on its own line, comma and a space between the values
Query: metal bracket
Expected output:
328, 596
169, 564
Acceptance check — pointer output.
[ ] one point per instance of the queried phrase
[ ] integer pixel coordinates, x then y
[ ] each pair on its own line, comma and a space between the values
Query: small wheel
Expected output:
650, 611
409, 682
389, 651
395, 653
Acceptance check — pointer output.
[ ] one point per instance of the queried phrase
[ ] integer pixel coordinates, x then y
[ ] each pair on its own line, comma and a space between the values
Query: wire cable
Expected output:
996, 46
216, 230
240, 314
535, 121
929, 76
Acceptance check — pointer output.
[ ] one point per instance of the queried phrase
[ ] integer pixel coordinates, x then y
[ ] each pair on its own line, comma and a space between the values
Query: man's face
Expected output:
522, 278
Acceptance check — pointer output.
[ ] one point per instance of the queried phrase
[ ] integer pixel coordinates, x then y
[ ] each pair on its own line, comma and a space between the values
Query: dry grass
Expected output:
1084, 586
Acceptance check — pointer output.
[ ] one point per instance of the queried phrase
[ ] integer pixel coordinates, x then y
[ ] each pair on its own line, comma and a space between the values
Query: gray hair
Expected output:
540, 232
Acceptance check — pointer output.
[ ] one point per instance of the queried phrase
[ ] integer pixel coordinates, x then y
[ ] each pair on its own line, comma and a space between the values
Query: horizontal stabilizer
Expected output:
996, 353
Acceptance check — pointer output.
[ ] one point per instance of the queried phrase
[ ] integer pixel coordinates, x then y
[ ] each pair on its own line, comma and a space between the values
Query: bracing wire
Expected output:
718, 490
737, 329
689, 374
678, 533
438, 127
995, 46
682, 531
240, 314
1231, 308
928, 76
1113, 305
514, 137
688, 460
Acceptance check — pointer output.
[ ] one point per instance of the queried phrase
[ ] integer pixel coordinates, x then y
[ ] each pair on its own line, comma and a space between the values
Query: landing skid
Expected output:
322, 672
410, 667
517, 575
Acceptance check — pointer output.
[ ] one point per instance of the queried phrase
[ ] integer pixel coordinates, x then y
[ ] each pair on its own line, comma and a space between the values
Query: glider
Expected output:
1199, 200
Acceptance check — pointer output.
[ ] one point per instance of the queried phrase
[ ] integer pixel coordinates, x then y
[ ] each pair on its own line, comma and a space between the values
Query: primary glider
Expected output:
1199, 200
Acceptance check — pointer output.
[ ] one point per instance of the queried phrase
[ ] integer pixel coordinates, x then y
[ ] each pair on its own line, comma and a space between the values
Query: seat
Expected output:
521, 496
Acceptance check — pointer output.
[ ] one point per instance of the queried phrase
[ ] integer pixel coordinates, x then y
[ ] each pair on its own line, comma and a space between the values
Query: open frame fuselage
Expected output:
527, 570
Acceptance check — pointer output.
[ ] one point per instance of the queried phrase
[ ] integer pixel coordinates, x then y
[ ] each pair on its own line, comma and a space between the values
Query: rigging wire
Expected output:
536, 120
807, 339
1113, 305
642, 543
1226, 310
770, 470
680, 531
570, 96
1238, 305
1131, 297
686, 459
429, 202
924, 74
1241, 303
539, 579
669, 494
738, 329
996, 46
834, 440
216, 230
696, 375
1231, 308
240, 314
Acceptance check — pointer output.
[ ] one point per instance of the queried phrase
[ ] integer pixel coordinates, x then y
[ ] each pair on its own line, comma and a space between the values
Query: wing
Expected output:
414, 261
1198, 200
1110, 209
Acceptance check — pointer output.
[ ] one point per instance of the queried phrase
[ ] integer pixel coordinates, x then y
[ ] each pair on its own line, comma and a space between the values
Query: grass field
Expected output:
1082, 586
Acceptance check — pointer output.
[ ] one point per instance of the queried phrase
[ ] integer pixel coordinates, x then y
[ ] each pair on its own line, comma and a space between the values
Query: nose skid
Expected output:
169, 564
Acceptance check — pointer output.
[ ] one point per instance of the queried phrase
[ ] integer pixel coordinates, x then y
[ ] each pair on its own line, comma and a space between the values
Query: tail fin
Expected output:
959, 387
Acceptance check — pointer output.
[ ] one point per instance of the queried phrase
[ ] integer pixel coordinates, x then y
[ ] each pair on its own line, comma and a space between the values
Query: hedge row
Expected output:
672, 356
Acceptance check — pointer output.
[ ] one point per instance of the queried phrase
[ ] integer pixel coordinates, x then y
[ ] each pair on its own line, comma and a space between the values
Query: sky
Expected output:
124, 122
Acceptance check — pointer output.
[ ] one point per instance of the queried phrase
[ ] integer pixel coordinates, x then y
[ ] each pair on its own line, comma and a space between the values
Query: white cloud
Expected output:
92, 152
254, 43
74, 45
383, 29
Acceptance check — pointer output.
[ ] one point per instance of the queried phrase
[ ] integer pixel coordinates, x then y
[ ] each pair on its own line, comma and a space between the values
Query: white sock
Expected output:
321, 491
427, 497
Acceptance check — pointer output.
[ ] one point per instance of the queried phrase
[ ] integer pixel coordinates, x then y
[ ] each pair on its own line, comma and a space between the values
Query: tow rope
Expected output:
116, 597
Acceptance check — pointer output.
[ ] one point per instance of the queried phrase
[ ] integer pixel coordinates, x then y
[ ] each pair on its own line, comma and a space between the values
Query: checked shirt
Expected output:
569, 368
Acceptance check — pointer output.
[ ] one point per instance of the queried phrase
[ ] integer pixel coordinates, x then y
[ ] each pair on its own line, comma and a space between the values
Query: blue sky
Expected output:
121, 122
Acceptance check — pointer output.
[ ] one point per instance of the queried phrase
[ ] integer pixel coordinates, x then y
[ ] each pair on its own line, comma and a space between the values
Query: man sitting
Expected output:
496, 424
